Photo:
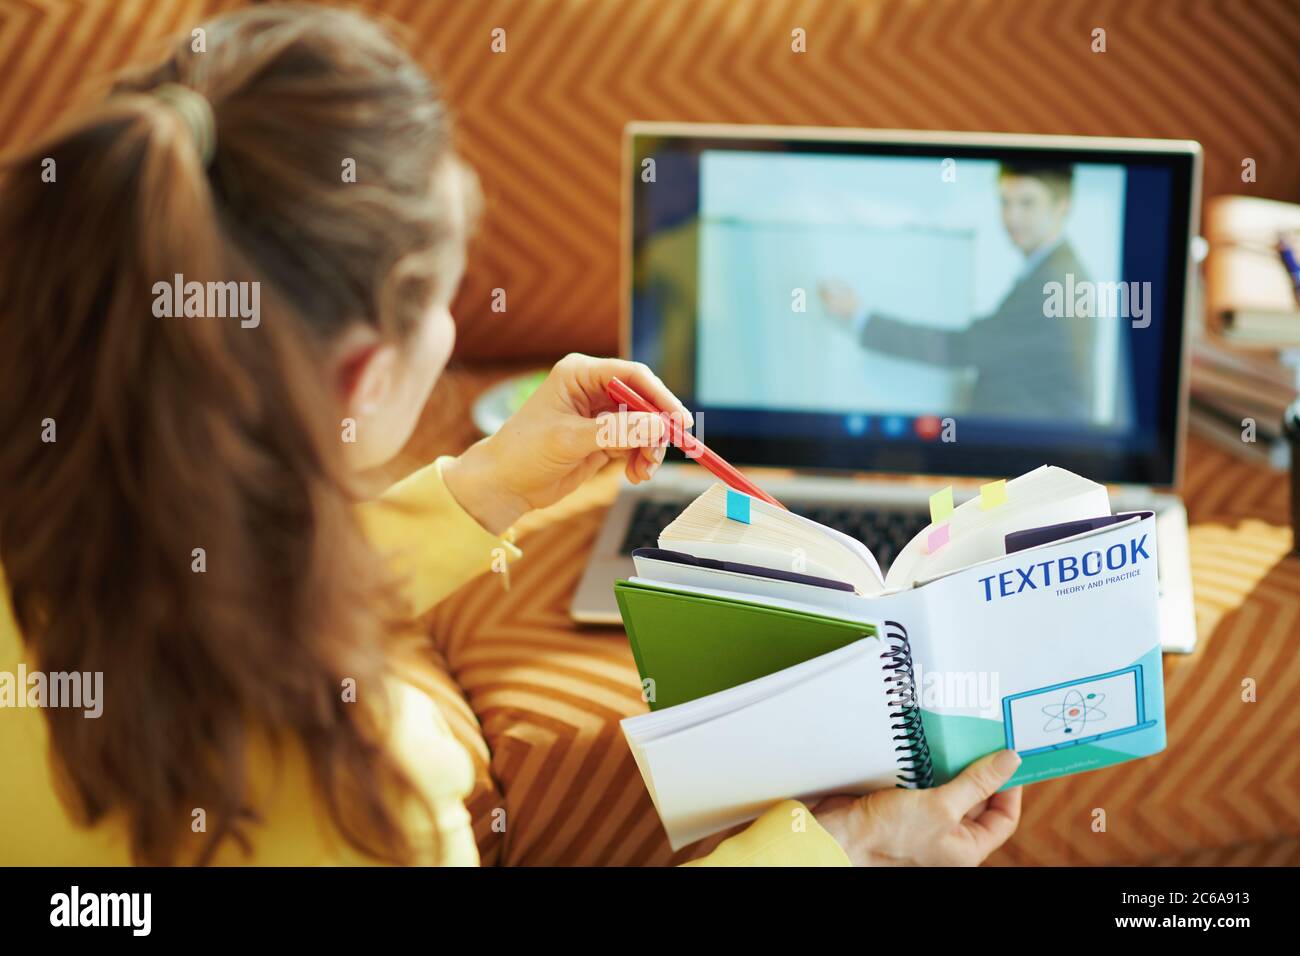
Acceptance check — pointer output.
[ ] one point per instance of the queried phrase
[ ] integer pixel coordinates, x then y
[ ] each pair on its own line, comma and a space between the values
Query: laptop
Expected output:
841, 307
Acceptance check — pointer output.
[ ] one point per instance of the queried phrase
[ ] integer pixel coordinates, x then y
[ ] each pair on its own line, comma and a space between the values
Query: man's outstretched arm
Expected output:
880, 333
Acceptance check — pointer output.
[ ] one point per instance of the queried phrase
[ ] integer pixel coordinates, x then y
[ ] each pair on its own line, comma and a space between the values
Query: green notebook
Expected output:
746, 641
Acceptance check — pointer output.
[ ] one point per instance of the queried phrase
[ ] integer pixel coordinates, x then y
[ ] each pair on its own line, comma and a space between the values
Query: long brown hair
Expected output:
177, 434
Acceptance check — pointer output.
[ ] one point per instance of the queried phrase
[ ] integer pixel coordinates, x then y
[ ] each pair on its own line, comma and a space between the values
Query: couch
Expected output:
535, 700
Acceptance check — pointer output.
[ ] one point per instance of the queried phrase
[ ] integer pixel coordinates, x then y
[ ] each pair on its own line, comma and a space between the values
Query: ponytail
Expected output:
175, 512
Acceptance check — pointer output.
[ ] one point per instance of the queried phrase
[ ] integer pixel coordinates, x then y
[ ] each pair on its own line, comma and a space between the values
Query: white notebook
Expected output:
755, 741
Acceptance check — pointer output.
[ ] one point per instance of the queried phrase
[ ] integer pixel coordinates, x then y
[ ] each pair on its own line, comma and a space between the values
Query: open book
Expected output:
778, 538
778, 663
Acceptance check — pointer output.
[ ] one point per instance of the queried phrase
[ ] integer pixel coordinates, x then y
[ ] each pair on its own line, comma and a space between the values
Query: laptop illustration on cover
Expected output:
1076, 712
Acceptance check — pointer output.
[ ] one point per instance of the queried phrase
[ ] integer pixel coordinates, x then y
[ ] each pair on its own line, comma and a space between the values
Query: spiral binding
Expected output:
915, 763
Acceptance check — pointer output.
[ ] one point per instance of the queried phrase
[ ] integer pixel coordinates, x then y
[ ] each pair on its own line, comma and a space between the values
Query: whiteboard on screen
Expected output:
756, 350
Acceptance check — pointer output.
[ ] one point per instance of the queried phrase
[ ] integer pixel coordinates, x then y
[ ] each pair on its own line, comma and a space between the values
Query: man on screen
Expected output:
1027, 365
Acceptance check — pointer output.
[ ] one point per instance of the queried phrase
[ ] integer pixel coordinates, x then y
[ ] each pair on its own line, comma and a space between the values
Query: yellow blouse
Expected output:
438, 547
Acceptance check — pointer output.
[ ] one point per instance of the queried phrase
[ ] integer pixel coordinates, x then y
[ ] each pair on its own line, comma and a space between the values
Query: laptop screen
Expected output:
931, 307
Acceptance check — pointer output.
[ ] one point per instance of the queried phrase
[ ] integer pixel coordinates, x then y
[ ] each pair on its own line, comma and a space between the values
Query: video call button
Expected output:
928, 427
894, 426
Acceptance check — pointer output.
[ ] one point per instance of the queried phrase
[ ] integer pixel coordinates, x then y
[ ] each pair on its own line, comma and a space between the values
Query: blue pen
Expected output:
1292, 266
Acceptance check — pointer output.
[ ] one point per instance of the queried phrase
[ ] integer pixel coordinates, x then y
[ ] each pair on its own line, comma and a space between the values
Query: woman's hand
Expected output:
957, 824
559, 438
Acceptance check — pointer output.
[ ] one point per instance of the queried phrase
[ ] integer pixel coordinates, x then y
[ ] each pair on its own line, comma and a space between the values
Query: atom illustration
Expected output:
1073, 712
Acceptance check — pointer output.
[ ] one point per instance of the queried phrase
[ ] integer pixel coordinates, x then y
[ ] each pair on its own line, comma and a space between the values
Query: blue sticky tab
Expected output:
737, 506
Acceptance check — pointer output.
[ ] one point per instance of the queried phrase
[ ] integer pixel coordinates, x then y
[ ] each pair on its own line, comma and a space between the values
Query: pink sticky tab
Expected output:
937, 539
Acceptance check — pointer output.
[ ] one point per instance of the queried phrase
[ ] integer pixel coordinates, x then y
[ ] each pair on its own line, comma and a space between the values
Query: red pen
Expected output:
621, 394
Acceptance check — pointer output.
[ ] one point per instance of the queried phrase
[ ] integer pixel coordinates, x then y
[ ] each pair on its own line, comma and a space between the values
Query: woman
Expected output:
225, 306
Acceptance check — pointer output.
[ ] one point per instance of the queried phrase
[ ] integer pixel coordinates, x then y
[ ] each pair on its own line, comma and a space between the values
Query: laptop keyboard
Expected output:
648, 519
883, 531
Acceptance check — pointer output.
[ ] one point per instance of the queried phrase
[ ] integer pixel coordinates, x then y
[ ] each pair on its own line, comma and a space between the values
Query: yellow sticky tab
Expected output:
993, 494
941, 505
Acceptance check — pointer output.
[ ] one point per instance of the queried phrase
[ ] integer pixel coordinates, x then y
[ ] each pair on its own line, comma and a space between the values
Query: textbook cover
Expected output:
1052, 652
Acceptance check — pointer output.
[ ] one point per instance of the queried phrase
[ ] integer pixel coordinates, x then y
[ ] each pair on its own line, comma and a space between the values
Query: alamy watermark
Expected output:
62, 689
964, 691
624, 431
133, 911
209, 300
1084, 299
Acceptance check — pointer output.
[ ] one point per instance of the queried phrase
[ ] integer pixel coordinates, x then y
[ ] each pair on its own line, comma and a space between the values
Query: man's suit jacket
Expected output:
1030, 366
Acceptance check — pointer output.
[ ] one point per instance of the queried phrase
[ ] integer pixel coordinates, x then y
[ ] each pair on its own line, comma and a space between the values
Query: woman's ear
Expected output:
365, 372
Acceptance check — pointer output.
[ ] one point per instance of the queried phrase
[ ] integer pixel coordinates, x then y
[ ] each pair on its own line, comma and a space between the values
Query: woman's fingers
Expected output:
649, 385
642, 463
593, 374
639, 437
998, 822
978, 782
621, 431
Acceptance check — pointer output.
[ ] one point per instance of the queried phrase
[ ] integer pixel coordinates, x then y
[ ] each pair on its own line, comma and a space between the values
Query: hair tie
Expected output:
197, 113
